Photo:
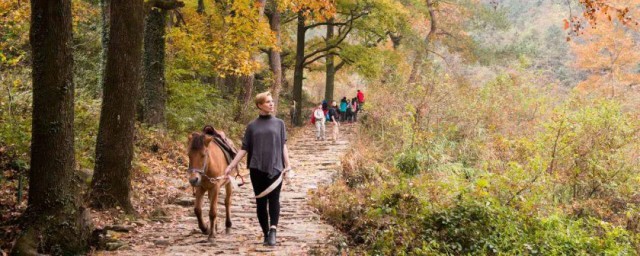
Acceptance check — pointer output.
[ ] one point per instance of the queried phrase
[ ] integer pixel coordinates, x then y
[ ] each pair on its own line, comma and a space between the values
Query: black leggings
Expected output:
260, 182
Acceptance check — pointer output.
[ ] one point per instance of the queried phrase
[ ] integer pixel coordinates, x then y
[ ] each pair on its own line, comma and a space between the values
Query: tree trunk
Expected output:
106, 13
331, 71
232, 87
275, 62
154, 89
247, 92
200, 9
423, 51
298, 72
114, 148
416, 66
55, 221
172, 18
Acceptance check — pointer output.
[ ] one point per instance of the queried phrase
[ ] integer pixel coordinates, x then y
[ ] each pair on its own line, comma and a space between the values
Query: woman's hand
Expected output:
235, 162
287, 173
228, 170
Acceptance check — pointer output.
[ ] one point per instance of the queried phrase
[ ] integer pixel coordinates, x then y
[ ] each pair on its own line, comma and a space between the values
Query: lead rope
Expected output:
273, 185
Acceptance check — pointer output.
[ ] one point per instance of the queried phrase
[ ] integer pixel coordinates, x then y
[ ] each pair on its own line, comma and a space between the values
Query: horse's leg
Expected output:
213, 200
227, 206
198, 209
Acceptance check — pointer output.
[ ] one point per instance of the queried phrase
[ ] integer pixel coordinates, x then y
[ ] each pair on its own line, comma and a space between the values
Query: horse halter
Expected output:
202, 171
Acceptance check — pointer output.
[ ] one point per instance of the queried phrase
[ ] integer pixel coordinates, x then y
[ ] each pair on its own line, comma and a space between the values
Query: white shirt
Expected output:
318, 114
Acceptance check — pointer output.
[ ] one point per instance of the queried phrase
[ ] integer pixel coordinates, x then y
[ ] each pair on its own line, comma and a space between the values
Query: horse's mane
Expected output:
197, 141
208, 129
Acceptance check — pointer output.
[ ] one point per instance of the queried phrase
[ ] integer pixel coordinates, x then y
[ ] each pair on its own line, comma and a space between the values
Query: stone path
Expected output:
300, 232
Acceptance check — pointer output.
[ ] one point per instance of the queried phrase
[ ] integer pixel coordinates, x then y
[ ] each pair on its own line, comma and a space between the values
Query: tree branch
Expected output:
324, 24
339, 66
317, 58
445, 33
180, 18
334, 45
289, 19
339, 24
437, 54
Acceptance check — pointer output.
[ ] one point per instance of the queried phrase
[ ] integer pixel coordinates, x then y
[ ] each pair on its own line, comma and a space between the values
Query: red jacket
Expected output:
360, 97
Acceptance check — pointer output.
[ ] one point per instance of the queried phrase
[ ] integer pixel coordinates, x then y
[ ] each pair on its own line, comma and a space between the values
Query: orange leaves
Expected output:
610, 57
607, 10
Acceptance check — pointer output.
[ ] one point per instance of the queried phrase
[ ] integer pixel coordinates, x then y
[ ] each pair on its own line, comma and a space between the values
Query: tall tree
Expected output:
154, 91
249, 79
374, 22
319, 12
275, 61
298, 71
422, 51
114, 148
106, 11
55, 221
330, 67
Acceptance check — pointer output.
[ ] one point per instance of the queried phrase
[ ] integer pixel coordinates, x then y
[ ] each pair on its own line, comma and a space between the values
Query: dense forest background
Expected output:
490, 126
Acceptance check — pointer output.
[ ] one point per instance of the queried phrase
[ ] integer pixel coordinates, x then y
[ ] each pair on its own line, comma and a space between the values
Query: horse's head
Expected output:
198, 157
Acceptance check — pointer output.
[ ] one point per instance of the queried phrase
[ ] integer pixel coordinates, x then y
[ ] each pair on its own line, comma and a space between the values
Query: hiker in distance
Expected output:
268, 161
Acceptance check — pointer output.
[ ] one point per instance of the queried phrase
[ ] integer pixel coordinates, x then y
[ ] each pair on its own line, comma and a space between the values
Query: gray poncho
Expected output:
264, 142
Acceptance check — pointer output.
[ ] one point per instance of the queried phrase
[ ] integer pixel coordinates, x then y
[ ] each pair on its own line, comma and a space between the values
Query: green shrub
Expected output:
410, 162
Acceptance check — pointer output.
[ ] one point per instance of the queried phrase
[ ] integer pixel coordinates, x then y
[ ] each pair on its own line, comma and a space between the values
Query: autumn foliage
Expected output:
609, 54
518, 136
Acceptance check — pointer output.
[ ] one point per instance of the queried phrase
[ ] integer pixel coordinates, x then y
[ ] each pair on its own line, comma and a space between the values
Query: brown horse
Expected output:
206, 173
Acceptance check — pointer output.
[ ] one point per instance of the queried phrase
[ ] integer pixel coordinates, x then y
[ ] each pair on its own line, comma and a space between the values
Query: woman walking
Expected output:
265, 142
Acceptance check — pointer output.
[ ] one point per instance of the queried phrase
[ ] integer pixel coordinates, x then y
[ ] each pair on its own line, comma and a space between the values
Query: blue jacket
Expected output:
343, 106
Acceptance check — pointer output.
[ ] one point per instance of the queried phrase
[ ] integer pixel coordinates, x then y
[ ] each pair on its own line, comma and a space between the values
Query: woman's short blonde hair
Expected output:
262, 98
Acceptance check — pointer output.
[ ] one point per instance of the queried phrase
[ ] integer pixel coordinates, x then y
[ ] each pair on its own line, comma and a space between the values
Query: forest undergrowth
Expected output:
501, 168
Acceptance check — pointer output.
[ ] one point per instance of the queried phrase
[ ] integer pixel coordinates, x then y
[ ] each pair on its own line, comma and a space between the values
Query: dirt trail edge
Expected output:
300, 232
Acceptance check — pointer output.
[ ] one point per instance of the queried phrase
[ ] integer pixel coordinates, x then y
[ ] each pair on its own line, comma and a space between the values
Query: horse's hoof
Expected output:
211, 240
227, 231
204, 231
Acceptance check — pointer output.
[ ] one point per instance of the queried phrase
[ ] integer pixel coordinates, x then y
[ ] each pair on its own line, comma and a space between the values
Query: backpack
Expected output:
313, 119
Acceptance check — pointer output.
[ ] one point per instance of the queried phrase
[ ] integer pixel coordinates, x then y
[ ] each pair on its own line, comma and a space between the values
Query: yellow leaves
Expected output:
316, 10
219, 42
84, 12
14, 32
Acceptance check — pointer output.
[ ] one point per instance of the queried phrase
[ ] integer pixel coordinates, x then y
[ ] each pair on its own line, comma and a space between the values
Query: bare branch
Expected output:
180, 18
291, 18
334, 45
316, 58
